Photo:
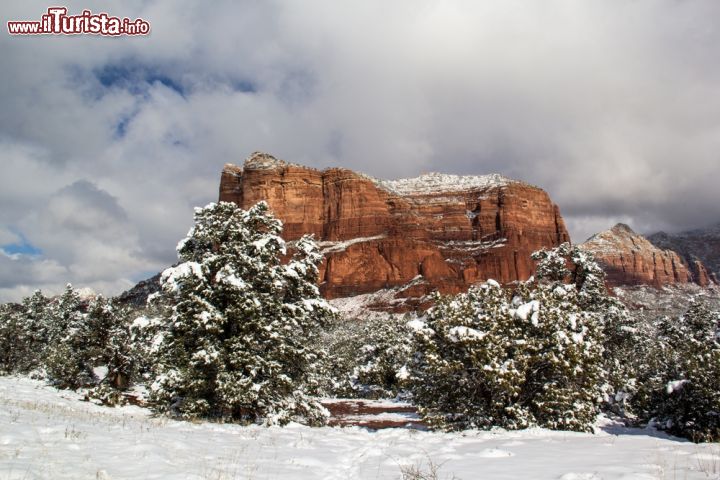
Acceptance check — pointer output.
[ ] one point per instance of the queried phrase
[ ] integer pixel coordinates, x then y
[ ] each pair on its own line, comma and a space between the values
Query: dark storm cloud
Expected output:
108, 143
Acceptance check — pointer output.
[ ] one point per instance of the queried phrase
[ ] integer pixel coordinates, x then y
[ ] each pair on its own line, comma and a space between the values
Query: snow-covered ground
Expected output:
45, 433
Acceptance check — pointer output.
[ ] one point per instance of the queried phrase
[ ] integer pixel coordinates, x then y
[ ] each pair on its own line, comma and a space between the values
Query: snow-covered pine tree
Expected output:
116, 356
341, 341
483, 359
621, 333
240, 343
553, 264
100, 321
564, 348
681, 385
468, 365
68, 360
146, 334
23, 334
36, 315
384, 351
365, 356
12, 346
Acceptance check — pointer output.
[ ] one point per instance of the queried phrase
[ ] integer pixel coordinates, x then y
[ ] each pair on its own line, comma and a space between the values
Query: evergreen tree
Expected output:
12, 346
69, 361
240, 341
341, 340
680, 387
486, 359
379, 361
565, 374
98, 327
116, 355
36, 317
23, 334
366, 357
147, 332
467, 369
622, 334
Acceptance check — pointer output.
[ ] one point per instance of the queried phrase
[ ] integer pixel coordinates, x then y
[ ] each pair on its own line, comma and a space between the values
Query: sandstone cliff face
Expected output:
630, 259
435, 232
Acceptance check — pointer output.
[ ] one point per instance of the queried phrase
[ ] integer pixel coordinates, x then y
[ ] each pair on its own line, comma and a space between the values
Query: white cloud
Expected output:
8, 237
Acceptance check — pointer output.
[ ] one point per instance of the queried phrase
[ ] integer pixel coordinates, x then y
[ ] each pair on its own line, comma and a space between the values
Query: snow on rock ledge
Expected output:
434, 182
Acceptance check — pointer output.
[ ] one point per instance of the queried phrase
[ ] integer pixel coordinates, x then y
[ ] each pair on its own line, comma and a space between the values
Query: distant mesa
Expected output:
629, 258
434, 232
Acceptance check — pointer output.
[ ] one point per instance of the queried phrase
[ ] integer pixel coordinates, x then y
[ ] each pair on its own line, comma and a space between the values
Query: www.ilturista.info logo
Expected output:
57, 22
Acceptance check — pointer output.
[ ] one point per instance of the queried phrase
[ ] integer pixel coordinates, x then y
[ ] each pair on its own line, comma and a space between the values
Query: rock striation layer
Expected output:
628, 258
435, 232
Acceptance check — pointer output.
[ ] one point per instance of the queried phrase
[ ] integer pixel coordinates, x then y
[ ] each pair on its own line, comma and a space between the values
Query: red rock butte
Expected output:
434, 232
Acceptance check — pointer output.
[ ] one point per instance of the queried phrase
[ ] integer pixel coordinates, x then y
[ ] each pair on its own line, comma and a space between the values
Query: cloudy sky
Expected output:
106, 144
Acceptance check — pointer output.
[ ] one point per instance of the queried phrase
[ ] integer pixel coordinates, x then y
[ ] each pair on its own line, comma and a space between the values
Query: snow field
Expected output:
46, 433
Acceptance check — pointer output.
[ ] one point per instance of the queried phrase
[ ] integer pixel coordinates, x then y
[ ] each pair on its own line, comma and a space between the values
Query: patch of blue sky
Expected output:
23, 247
135, 77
